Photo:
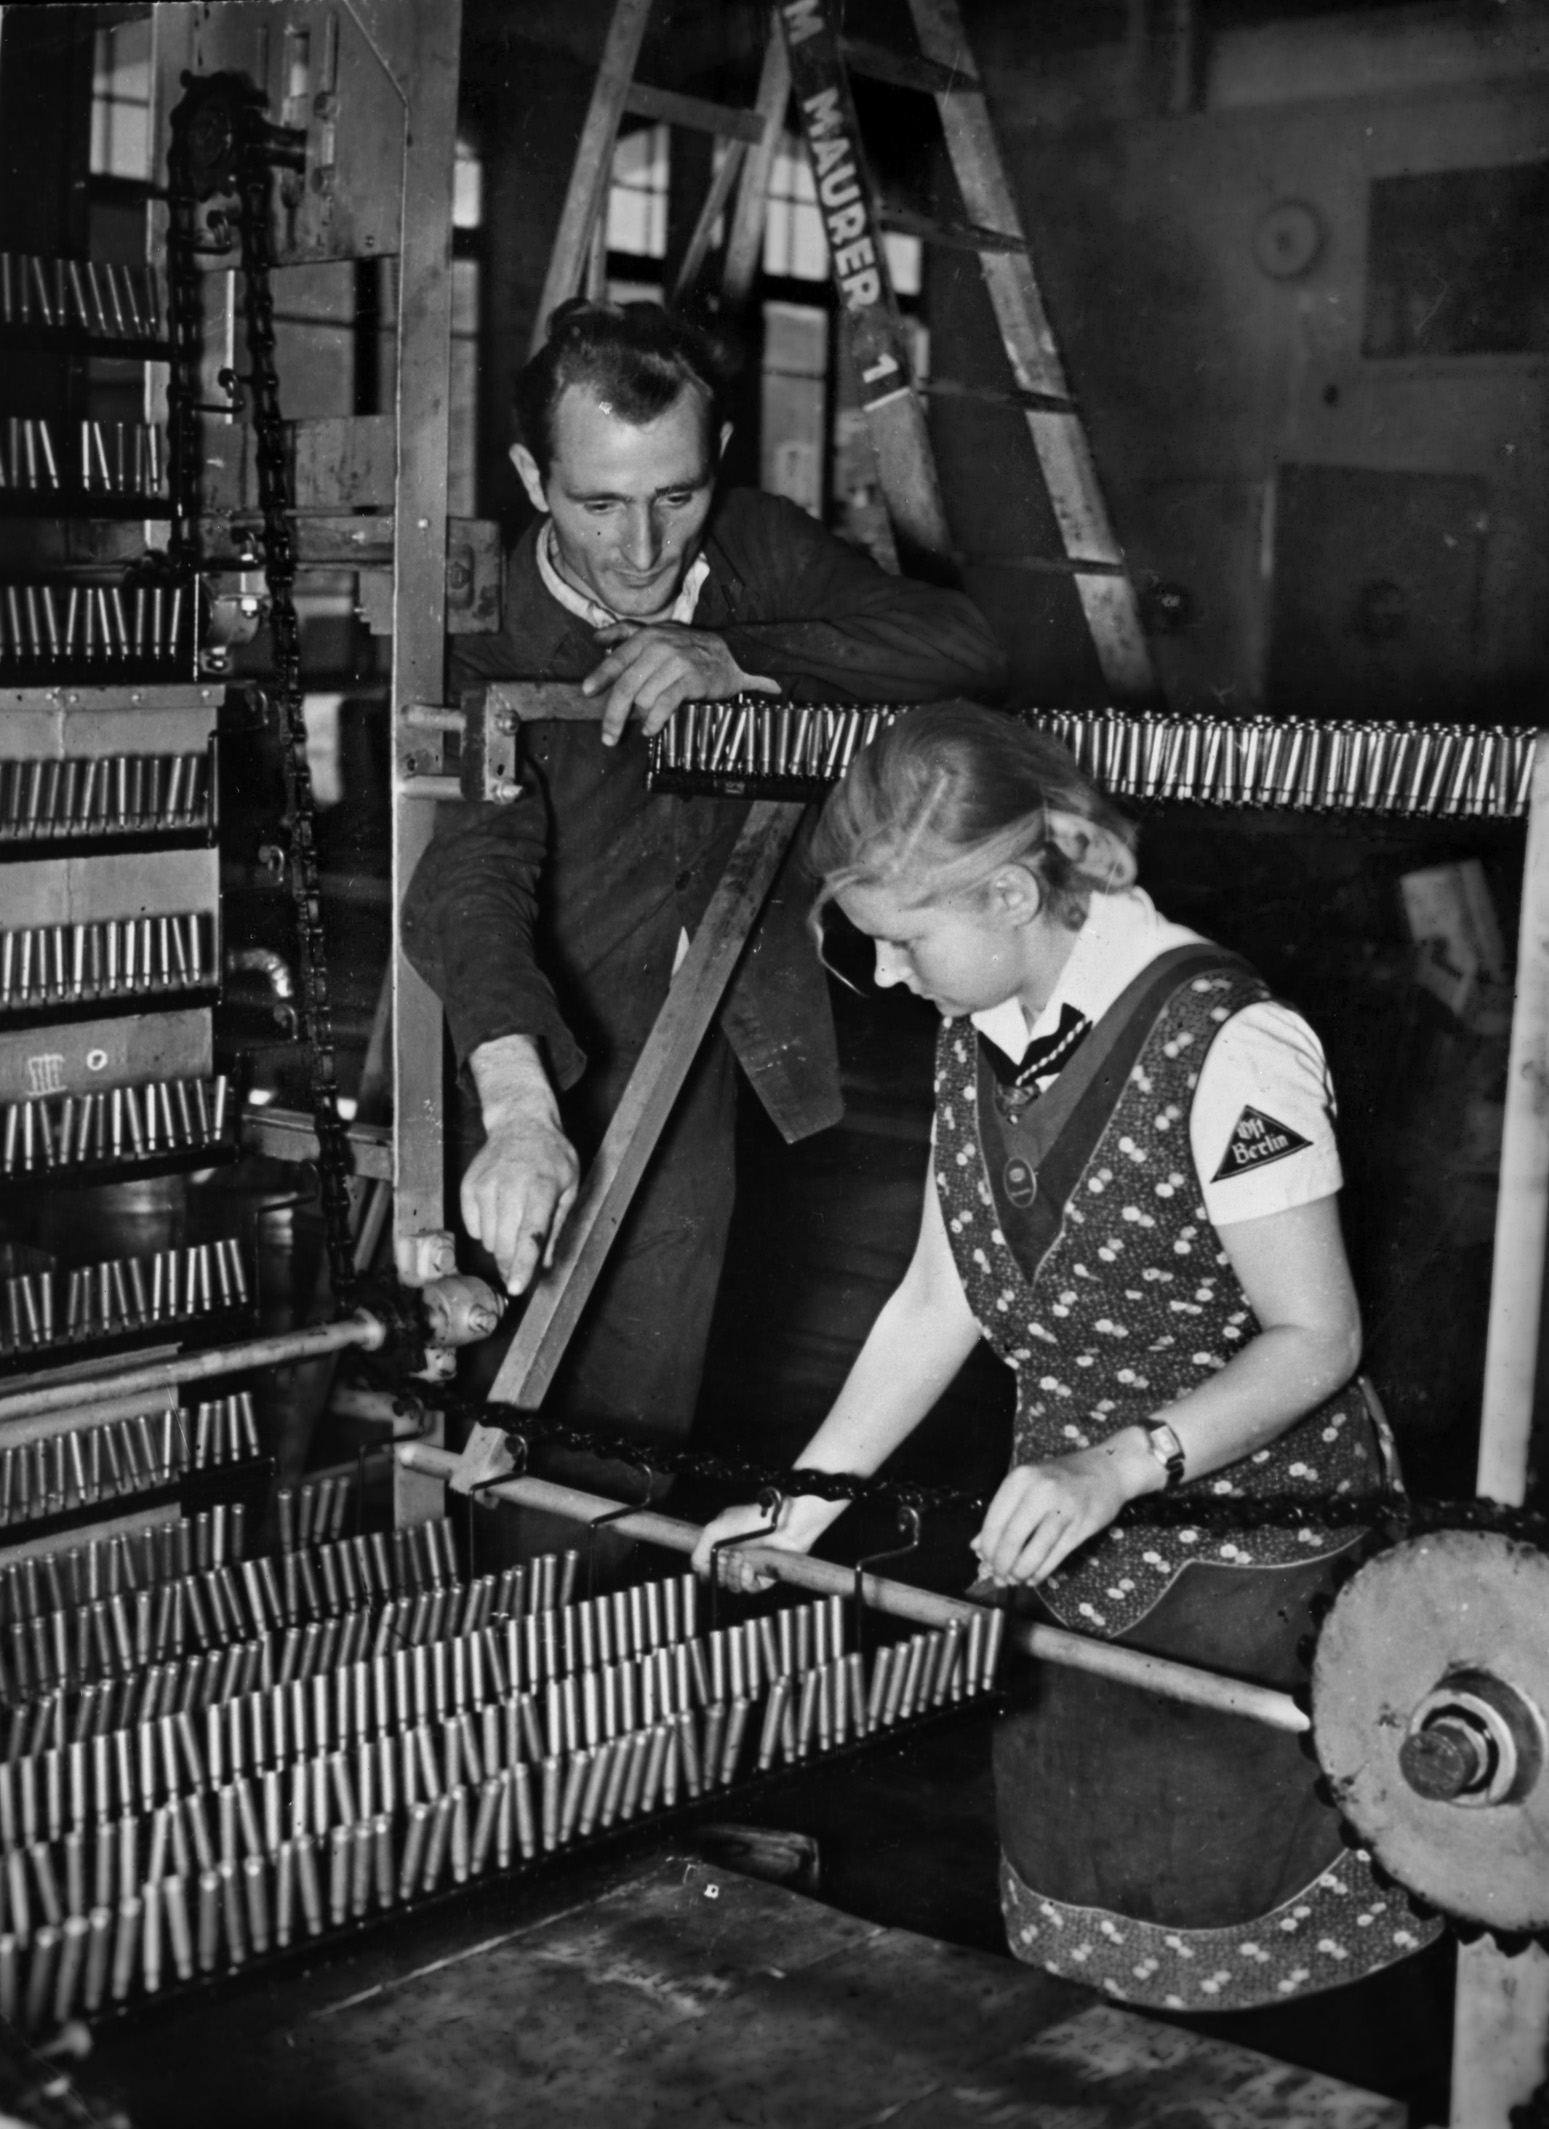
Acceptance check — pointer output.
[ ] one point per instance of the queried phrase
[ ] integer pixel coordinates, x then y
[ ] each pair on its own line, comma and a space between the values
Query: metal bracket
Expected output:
490, 736
423, 1257
909, 1531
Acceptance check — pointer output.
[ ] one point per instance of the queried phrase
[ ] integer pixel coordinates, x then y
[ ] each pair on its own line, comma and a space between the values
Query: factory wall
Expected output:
1313, 527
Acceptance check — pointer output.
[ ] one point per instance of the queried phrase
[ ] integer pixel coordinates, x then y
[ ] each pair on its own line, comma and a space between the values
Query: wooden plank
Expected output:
1501, 2015
587, 193
717, 194
951, 235
895, 414
418, 609
534, 700
902, 70
1060, 442
745, 237
1522, 1207
695, 112
557, 1301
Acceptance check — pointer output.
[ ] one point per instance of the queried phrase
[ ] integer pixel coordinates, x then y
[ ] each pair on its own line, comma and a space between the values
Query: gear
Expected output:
1430, 1693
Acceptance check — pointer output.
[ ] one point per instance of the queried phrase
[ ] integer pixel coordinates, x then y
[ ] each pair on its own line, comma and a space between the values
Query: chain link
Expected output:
1386, 1512
222, 141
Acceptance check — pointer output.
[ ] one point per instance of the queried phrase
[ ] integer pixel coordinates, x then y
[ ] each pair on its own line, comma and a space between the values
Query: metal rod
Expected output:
368, 1333
1175, 1681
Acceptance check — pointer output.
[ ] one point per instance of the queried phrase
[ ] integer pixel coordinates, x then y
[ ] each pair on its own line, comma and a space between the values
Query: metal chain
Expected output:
1387, 1513
223, 142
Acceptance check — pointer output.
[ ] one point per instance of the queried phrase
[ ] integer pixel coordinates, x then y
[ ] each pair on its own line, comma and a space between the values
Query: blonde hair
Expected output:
948, 795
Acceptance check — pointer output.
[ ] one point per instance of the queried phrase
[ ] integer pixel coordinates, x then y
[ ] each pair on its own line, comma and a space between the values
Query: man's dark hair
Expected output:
634, 357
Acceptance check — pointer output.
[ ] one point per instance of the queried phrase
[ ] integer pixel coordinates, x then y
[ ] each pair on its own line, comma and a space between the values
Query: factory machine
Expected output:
242, 1723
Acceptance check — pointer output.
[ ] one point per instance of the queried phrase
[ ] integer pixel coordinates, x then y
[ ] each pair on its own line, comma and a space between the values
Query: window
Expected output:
1457, 263
467, 292
637, 197
121, 102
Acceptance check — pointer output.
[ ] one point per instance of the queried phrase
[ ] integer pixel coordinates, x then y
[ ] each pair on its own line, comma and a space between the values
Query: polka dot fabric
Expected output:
1340, 1927
1135, 1305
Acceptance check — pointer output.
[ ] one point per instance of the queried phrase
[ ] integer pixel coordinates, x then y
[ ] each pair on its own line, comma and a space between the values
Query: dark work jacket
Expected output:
558, 916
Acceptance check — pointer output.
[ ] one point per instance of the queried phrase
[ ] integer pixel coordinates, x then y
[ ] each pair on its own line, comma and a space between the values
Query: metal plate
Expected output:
1456, 1601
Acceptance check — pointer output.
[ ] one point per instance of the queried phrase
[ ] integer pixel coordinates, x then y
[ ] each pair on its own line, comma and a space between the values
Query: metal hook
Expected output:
770, 1502
518, 1445
909, 1530
614, 1515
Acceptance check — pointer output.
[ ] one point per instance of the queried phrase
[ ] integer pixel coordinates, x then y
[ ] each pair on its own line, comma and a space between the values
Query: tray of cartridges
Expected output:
279, 1748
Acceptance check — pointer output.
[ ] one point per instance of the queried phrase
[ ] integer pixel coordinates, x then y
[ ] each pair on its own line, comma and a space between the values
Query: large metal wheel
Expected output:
1430, 1690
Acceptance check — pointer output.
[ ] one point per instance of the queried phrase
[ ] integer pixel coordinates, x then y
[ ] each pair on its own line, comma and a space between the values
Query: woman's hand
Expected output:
1042, 1512
736, 1571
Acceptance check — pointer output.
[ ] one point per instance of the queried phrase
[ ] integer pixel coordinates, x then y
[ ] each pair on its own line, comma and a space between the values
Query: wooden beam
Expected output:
555, 1305
587, 193
1501, 2014
699, 115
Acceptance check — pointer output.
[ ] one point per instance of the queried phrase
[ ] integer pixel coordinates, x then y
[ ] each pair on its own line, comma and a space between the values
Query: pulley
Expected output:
1430, 1707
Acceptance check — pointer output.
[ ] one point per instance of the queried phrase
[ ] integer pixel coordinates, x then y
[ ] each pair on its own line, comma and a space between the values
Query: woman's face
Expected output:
966, 952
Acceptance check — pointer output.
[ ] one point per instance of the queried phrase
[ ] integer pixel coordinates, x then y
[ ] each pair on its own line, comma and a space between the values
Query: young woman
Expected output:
1133, 1197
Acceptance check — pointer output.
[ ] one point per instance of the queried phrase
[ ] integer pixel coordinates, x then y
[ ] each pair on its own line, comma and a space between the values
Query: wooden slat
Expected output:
1064, 456
533, 701
730, 121
895, 414
903, 70
697, 988
950, 236
717, 193
1043, 565
593, 166
1501, 2014
745, 237
990, 395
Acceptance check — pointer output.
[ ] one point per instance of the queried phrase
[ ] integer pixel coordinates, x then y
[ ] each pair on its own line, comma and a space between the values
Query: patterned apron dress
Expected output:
1169, 1855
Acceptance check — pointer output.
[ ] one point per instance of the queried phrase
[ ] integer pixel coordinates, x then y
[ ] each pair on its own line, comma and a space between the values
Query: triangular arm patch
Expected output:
1257, 1140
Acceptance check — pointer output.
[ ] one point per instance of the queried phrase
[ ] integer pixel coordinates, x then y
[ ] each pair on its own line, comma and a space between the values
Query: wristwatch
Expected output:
1165, 1446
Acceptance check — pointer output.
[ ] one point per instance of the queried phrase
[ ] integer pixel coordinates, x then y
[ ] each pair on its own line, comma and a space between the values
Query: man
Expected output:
550, 928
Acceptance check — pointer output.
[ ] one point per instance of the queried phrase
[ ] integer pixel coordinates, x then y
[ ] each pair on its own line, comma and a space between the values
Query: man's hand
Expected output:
651, 670
523, 1182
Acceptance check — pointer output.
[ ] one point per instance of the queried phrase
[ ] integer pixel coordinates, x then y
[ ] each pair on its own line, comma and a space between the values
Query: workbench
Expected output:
665, 1989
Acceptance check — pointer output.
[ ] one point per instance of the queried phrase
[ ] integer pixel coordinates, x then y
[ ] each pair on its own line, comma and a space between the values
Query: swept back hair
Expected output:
635, 357
950, 793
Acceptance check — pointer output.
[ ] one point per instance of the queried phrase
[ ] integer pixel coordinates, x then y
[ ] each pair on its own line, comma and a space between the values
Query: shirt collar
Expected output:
1122, 933
592, 611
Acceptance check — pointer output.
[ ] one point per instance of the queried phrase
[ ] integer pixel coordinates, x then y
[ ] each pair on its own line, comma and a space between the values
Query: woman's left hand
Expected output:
1042, 1512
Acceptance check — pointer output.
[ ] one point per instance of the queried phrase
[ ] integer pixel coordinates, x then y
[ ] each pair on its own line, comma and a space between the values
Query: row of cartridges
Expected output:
129, 1562
185, 1842
1333, 766
114, 957
102, 794
110, 1124
108, 301
222, 1624
750, 736
99, 457
109, 625
44, 1308
86, 1465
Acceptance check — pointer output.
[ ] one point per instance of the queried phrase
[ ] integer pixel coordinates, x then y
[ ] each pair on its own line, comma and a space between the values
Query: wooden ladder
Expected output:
808, 54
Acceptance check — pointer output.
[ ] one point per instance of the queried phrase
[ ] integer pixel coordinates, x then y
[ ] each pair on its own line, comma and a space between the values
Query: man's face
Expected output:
629, 503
